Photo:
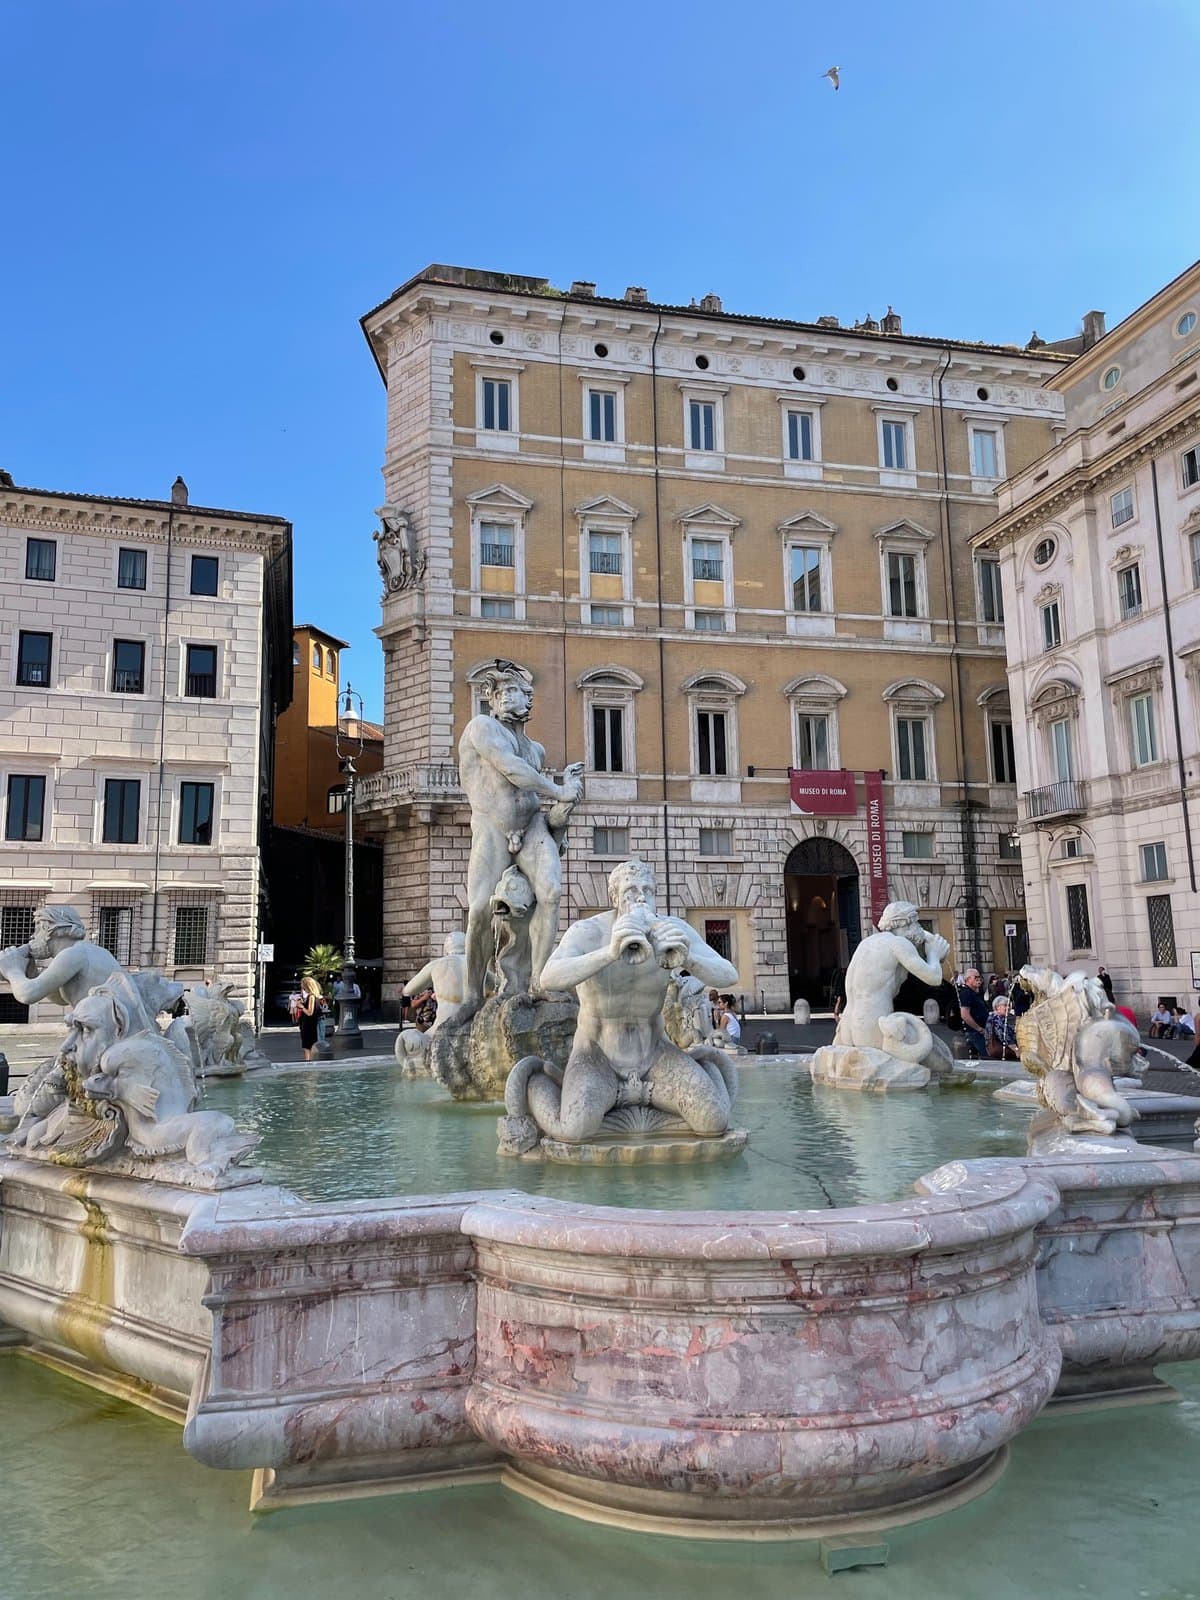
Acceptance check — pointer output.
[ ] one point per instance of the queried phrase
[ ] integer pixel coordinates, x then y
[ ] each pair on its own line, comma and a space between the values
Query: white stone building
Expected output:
145, 646
1099, 548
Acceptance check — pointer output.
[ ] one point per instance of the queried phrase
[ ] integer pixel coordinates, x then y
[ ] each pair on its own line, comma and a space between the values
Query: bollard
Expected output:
3, 1073
767, 1045
802, 1013
932, 1012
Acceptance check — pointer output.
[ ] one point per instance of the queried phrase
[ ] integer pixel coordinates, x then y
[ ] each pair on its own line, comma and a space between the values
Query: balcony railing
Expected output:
606, 561
201, 685
496, 555
708, 571
425, 780
1066, 798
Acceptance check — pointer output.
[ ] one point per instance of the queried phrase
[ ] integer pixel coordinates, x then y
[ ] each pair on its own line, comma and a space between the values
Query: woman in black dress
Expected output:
310, 1012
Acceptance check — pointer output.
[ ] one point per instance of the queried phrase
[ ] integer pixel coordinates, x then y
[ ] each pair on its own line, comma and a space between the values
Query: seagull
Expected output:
835, 76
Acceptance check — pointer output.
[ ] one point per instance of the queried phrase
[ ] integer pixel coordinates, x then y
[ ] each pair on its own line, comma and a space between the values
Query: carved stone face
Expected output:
511, 701
46, 940
634, 891
94, 1029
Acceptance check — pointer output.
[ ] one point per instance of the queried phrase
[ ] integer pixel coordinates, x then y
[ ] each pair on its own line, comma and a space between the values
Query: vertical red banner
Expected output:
876, 844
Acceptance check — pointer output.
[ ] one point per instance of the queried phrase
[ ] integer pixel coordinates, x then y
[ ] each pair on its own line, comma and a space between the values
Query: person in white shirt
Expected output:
726, 1020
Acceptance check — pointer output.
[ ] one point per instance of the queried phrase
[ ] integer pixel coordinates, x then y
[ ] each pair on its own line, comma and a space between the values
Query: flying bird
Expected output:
835, 76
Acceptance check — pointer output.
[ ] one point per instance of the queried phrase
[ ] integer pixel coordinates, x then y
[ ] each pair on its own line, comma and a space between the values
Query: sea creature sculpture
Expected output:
1072, 1042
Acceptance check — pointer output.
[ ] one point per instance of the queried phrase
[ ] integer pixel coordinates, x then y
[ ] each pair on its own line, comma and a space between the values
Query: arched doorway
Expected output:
824, 922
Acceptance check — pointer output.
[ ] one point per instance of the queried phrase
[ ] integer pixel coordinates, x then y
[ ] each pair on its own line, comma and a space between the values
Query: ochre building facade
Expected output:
726, 547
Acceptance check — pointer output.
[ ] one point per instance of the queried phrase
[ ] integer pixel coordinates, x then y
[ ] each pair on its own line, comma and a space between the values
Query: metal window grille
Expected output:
1162, 931
34, 654
716, 841
193, 932
41, 559
202, 671
718, 937
604, 553
496, 554
610, 841
117, 921
1078, 917
16, 928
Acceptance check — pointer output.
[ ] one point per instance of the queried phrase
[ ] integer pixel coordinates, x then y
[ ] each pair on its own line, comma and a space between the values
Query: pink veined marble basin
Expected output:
757, 1372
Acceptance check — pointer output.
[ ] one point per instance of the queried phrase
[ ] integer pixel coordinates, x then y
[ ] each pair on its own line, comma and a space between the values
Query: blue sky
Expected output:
202, 199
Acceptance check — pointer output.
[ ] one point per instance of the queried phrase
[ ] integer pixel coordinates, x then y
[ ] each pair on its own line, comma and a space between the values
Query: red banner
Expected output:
823, 794
876, 845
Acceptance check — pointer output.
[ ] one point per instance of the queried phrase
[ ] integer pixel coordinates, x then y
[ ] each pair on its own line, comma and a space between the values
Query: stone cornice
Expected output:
1115, 463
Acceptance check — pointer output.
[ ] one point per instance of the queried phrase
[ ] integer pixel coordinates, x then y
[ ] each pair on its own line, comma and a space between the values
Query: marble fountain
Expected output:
840, 1327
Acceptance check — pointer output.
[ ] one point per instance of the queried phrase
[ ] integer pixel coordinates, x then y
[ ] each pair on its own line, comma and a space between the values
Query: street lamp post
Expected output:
348, 1035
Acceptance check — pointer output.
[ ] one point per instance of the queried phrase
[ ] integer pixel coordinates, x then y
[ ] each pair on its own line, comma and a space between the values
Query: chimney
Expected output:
636, 295
867, 325
583, 288
1093, 328
6, 479
891, 322
1035, 341
828, 322
179, 493
711, 302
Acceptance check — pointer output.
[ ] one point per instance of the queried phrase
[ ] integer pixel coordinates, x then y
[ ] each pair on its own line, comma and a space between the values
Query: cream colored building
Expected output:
1099, 547
146, 645
726, 546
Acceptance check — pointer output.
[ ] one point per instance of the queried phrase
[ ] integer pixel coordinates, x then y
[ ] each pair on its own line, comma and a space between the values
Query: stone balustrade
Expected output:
424, 781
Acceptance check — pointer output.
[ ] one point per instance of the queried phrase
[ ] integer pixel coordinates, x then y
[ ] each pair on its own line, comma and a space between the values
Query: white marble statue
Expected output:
1073, 1043
687, 1013
503, 773
620, 964
117, 1085
876, 1046
216, 1031
446, 975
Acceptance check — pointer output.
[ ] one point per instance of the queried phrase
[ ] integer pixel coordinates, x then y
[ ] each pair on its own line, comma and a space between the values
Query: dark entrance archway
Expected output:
824, 921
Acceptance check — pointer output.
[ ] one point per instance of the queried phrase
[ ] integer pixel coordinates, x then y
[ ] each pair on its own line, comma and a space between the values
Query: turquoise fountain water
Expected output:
362, 1133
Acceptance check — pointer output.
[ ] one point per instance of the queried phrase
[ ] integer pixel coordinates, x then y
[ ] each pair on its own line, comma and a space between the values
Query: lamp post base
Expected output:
347, 1037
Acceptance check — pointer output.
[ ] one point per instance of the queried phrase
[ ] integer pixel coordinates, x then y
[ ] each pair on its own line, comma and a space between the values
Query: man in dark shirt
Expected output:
973, 1009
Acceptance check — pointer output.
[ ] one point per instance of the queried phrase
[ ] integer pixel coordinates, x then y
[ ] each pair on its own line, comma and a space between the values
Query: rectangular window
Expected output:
1071, 848
610, 841
602, 416
335, 801
1078, 919
1008, 847
607, 616
608, 739
497, 544
712, 749
131, 569
718, 937
26, 805
497, 405
805, 563
1141, 724
911, 742
800, 435
114, 931
1122, 506
201, 671
129, 666
709, 621
204, 574
1191, 466
34, 657
702, 425
812, 742
716, 841
902, 585
991, 594
1194, 545
41, 559
1004, 760
895, 446
1162, 931
191, 936
708, 560
122, 802
1129, 591
1154, 862
604, 553
1051, 626
195, 813
916, 846
498, 610
985, 455
1060, 751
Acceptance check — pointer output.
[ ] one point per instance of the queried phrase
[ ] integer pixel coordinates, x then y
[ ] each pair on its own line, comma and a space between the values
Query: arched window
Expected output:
331, 663
816, 745
295, 652
316, 657
998, 727
714, 730
913, 702
610, 737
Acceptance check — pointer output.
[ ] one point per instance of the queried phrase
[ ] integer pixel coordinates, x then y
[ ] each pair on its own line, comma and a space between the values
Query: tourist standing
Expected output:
1000, 1032
973, 1009
308, 1014
1106, 983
